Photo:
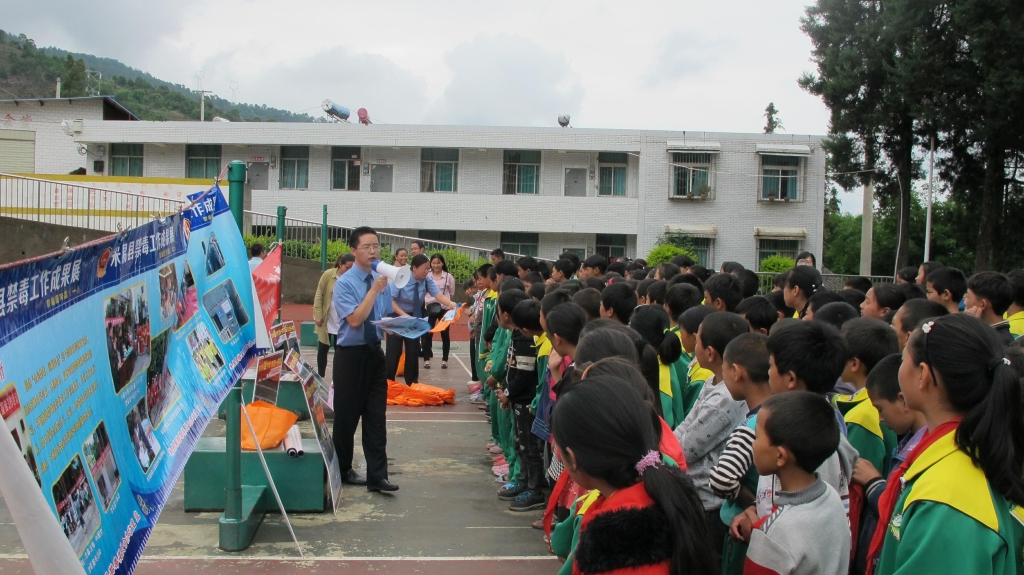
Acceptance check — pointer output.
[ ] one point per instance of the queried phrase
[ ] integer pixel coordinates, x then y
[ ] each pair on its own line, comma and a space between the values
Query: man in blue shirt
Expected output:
409, 301
360, 378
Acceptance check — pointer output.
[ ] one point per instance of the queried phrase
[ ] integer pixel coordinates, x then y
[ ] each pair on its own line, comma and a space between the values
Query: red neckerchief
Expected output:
893, 487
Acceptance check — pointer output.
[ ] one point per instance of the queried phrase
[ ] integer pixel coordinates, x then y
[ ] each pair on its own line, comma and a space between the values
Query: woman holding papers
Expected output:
409, 301
445, 282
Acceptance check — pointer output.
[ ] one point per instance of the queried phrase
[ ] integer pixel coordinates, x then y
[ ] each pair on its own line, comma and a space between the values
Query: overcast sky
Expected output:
679, 65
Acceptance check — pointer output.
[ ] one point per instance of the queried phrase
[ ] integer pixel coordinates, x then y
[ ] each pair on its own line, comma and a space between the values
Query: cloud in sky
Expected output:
682, 54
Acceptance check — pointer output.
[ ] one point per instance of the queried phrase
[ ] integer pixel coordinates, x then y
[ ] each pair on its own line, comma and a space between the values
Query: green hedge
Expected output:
665, 252
777, 264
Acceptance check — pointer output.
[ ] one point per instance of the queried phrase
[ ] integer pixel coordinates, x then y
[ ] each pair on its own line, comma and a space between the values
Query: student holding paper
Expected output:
409, 301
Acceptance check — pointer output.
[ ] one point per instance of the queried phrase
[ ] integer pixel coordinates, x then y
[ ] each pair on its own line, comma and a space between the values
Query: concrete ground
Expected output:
445, 519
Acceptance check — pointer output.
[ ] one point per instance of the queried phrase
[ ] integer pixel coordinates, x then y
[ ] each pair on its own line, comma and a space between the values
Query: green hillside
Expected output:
30, 72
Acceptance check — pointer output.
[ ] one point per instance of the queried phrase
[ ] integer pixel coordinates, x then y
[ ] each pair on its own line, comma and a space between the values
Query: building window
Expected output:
439, 170
771, 247
345, 164
202, 161
702, 248
447, 236
521, 243
522, 172
691, 175
779, 177
579, 252
611, 245
126, 160
294, 167
612, 174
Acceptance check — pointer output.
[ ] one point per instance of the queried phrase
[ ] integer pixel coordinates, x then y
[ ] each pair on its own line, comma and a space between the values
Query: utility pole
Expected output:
202, 104
928, 218
867, 226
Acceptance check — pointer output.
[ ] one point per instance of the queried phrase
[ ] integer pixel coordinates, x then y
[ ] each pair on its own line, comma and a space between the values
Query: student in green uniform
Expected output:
651, 322
496, 369
689, 323
678, 299
954, 506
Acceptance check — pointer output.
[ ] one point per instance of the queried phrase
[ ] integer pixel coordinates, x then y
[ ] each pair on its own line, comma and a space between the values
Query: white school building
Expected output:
537, 191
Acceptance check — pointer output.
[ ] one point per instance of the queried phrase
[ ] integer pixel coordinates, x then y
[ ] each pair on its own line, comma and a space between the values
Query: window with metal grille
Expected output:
437, 235
521, 173
702, 248
345, 163
611, 245
202, 161
523, 243
691, 174
126, 159
780, 177
611, 174
439, 170
772, 247
294, 167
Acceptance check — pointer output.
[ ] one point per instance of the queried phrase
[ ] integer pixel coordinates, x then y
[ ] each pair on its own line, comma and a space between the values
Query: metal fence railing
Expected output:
79, 206
832, 282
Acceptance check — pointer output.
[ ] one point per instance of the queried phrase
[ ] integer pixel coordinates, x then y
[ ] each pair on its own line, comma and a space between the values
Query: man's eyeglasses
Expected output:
370, 247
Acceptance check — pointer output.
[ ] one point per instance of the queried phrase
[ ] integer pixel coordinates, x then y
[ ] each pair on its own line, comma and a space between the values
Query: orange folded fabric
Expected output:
270, 422
418, 394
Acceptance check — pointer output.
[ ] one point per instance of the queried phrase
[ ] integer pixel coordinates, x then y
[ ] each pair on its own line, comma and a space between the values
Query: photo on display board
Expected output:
161, 390
126, 317
14, 417
76, 505
204, 352
168, 291
214, 256
225, 308
188, 297
140, 429
100, 458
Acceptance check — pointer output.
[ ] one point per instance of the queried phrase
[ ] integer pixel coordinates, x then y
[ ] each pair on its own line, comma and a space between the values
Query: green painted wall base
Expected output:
299, 480
307, 334
237, 534
289, 396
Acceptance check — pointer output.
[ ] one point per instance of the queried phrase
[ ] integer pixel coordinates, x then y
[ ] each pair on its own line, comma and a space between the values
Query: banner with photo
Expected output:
113, 358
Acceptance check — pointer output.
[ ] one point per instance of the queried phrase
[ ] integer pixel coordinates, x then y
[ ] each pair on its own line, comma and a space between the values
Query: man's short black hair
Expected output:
750, 350
528, 263
572, 257
256, 250
526, 315
354, 237
805, 424
484, 269
498, 252
726, 287
596, 261
912, 291
778, 299
620, 299
852, 296
566, 321
692, 318
889, 296
751, 283
590, 300
859, 283
994, 287
1016, 278
553, 299
884, 380
929, 267
681, 297
779, 280
729, 267
668, 270
821, 298
721, 327
869, 340
687, 278
759, 312
617, 267
469, 284
836, 313
506, 268
701, 272
511, 282
683, 261
533, 278
813, 350
915, 312
948, 279
537, 290
656, 292
510, 298
566, 267
642, 287
596, 283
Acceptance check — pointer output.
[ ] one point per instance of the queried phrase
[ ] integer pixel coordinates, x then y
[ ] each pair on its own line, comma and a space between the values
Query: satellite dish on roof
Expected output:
335, 111
563, 120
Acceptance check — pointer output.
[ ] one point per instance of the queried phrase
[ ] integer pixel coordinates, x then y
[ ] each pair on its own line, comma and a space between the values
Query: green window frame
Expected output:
611, 174
611, 245
522, 243
689, 179
126, 159
202, 161
780, 177
294, 167
521, 173
345, 162
439, 170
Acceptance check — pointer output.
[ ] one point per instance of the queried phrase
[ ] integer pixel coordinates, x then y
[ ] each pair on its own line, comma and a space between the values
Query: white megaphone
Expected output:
398, 276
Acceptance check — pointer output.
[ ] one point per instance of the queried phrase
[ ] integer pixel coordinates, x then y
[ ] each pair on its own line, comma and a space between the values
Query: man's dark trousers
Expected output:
361, 391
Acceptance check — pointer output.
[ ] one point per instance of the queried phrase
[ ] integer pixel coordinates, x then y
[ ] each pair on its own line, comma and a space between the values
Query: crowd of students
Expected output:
669, 419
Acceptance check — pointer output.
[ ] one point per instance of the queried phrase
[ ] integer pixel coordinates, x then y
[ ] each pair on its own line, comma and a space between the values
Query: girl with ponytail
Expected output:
801, 283
956, 507
648, 518
652, 323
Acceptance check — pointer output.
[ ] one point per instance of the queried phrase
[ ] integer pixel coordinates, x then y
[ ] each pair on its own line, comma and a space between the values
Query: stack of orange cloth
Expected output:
418, 394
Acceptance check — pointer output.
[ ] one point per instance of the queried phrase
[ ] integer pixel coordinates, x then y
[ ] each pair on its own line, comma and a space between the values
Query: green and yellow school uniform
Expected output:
671, 396
695, 378
1016, 324
490, 304
566, 534
948, 519
501, 419
543, 345
683, 363
873, 440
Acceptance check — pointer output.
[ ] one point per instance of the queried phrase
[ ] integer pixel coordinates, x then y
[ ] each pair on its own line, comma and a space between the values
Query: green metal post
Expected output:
323, 242
281, 211
236, 191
